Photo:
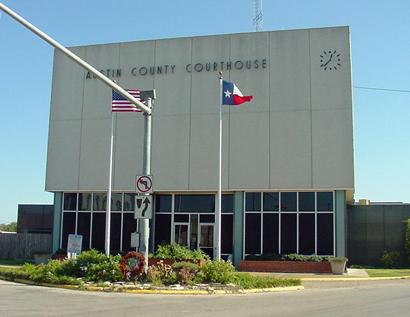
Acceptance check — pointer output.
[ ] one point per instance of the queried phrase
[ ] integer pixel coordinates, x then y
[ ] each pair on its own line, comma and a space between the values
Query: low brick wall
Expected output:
285, 266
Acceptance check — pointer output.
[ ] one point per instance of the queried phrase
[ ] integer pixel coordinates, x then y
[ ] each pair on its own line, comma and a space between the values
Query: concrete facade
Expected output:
296, 134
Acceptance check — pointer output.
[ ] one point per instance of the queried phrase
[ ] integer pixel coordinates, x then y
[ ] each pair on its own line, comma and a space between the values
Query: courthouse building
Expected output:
287, 158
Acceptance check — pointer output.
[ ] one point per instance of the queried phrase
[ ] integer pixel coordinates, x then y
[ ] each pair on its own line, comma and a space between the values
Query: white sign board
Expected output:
143, 184
74, 244
143, 207
135, 240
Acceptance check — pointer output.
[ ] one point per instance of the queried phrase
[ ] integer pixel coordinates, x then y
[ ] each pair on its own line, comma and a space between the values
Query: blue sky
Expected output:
380, 57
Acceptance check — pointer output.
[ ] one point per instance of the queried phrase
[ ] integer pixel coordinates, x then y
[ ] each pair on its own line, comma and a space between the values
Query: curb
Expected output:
343, 279
160, 291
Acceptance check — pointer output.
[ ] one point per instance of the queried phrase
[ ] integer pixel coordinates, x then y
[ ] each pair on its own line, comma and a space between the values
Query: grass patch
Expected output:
388, 272
12, 262
247, 281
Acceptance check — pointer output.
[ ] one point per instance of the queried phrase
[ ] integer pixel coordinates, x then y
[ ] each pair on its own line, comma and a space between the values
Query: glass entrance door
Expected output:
182, 234
206, 239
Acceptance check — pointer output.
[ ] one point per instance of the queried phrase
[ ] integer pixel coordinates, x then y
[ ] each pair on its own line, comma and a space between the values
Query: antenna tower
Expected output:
257, 15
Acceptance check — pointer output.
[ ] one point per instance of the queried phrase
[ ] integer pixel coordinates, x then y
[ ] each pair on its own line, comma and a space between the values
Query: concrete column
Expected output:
340, 219
58, 200
237, 228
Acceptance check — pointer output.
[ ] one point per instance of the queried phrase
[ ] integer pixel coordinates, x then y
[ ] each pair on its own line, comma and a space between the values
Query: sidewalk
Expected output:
352, 274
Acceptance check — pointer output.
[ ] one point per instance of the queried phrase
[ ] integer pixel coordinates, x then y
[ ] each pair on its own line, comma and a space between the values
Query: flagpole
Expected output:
108, 213
219, 195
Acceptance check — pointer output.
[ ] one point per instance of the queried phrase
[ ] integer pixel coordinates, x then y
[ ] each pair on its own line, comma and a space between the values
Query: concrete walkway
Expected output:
350, 274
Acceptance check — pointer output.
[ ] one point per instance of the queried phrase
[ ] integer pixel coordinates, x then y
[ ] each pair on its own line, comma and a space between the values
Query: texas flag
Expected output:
232, 96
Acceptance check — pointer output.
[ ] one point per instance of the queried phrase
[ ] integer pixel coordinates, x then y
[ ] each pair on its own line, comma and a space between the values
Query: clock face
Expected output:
330, 60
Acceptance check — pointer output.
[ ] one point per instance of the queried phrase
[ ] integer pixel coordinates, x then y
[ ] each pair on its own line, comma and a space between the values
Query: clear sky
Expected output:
380, 56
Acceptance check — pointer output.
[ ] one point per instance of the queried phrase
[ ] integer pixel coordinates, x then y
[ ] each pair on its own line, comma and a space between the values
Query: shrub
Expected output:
107, 270
287, 257
187, 272
390, 259
218, 271
176, 252
161, 274
407, 243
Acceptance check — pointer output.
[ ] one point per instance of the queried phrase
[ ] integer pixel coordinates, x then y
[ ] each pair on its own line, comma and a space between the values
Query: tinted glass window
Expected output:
83, 228
100, 202
98, 233
253, 202
116, 202
207, 218
324, 201
181, 218
288, 233
84, 201
163, 203
270, 201
253, 233
70, 201
306, 201
68, 227
129, 225
129, 202
115, 233
288, 201
194, 203
226, 233
325, 234
162, 229
227, 203
307, 234
271, 233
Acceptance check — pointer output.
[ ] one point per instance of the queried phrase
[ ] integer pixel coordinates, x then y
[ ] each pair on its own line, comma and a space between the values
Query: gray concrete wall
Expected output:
373, 229
296, 134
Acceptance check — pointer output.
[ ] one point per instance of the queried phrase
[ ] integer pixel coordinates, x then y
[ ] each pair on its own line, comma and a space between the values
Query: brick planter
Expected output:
285, 266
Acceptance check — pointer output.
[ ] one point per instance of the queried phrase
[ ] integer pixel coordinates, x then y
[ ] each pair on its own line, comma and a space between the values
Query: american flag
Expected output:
120, 104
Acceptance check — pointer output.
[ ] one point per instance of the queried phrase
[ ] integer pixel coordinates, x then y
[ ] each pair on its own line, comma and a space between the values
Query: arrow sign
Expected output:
143, 207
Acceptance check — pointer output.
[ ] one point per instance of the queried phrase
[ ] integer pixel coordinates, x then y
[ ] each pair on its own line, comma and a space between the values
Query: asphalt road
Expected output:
374, 298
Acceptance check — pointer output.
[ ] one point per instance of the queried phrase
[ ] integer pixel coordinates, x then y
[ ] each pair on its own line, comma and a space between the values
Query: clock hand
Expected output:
331, 56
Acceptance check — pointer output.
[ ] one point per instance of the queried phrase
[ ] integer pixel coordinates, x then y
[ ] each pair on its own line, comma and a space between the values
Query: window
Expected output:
324, 201
129, 226
115, 233
98, 233
70, 201
194, 203
270, 233
253, 202
306, 201
163, 203
307, 234
325, 234
226, 233
227, 203
68, 227
100, 202
84, 201
116, 202
270, 201
129, 202
288, 233
162, 229
83, 228
253, 233
288, 201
